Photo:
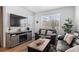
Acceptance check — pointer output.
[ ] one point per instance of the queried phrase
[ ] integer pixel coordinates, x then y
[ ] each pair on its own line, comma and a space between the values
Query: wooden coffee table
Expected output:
43, 47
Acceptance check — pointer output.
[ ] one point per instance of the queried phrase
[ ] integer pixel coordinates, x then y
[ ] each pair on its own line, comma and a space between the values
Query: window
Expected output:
50, 21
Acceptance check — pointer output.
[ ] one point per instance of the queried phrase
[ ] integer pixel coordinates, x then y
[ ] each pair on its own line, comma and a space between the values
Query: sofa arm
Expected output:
61, 37
36, 33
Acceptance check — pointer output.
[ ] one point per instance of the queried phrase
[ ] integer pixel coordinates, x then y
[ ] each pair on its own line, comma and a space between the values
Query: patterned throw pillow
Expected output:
68, 38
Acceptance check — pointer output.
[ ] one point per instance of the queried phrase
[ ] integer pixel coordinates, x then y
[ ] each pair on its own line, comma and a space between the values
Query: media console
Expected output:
13, 39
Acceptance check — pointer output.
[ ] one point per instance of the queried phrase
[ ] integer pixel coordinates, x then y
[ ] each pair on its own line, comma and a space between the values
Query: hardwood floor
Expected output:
19, 48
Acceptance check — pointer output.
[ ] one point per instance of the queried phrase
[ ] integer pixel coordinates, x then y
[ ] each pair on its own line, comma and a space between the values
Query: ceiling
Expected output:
37, 9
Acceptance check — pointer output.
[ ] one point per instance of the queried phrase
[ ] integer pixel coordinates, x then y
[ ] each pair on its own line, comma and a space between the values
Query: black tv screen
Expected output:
15, 20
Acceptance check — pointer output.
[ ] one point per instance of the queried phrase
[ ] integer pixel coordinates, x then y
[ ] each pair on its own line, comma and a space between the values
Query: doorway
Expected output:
1, 26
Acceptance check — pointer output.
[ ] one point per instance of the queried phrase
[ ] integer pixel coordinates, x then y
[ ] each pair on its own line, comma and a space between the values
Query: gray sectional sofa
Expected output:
62, 46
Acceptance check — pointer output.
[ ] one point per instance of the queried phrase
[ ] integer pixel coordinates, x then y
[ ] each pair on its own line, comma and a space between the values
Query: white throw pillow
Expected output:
49, 32
68, 38
43, 32
76, 34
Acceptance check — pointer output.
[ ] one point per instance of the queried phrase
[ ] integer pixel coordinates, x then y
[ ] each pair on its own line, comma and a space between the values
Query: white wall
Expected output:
66, 12
76, 21
18, 11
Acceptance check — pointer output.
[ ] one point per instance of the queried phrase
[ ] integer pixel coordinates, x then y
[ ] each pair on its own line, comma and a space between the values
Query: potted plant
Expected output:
67, 26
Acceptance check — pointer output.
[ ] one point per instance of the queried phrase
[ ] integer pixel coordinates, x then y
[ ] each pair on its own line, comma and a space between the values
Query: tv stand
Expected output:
13, 39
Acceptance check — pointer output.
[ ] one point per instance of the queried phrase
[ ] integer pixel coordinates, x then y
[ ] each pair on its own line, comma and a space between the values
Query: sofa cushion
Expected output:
62, 46
68, 38
77, 41
48, 36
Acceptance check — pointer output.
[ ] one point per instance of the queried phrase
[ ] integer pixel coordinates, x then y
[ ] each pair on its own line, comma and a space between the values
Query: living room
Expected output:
31, 20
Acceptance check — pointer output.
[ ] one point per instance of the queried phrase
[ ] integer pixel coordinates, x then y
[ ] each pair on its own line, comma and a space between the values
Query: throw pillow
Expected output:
68, 38
76, 34
43, 32
49, 32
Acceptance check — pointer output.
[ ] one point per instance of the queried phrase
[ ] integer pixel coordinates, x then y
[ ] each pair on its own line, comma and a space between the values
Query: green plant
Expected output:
67, 26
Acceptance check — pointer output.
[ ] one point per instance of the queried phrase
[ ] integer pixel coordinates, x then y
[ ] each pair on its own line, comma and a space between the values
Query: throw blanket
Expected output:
73, 49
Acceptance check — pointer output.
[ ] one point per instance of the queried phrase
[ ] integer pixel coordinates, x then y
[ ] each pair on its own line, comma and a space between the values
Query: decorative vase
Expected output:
28, 28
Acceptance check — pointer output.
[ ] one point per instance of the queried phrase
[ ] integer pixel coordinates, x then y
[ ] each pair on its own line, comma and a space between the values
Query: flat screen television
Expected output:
15, 20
